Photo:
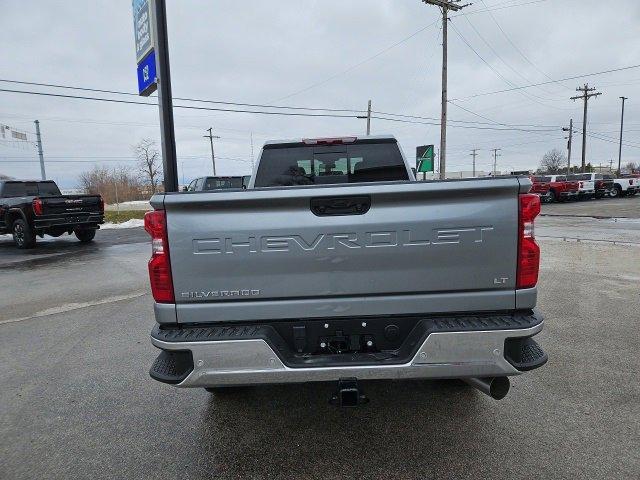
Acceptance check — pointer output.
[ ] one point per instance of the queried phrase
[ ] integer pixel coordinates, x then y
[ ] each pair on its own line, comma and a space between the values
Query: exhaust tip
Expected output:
496, 387
499, 387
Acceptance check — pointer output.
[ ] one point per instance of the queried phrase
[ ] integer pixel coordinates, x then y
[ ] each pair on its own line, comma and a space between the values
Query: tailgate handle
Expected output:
333, 206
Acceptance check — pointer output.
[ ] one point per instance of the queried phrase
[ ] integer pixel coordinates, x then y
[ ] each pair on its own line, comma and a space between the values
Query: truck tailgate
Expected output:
71, 204
409, 248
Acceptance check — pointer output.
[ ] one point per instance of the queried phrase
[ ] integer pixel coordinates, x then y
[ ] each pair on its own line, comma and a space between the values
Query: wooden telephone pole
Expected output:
445, 6
570, 130
587, 93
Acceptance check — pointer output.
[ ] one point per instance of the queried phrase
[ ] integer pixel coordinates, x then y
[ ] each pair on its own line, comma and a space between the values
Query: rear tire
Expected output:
85, 236
23, 236
615, 192
552, 196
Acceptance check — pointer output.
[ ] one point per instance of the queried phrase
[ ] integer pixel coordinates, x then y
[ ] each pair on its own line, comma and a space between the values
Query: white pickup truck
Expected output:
624, 186
586, 185
336, 265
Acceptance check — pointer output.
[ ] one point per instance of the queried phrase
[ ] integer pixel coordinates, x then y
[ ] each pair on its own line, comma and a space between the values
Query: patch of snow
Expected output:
133, 223
624, 220
132, 205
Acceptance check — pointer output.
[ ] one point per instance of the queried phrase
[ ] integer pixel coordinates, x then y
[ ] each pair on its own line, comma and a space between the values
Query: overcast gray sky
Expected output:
327, 54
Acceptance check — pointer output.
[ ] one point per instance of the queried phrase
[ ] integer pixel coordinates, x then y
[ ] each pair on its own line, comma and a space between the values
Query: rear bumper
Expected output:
459, 347
81, 220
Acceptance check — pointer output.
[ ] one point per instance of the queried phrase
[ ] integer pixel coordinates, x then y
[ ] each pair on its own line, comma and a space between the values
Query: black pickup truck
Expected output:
30, 208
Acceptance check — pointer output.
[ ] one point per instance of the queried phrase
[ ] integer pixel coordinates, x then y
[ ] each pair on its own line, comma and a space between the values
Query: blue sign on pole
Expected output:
147, 79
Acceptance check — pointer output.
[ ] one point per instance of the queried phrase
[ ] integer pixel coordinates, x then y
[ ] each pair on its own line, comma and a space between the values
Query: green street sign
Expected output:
424, 158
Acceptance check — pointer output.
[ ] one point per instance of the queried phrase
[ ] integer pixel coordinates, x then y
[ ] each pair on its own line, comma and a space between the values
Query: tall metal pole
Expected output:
369, 118
40, 152
621, 129
165, 99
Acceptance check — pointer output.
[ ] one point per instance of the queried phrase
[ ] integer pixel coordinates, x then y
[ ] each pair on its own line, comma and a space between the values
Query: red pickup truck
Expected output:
540, 187
560, 188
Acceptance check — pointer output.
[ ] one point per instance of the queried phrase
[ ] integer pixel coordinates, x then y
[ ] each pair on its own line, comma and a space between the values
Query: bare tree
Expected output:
149, 162
554, 161
114, 185
631, 167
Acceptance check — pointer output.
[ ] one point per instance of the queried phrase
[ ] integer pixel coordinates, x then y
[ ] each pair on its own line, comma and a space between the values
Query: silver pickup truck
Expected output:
336, 265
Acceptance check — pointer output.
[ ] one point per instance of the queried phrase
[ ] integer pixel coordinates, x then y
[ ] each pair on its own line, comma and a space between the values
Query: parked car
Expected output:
586, 185
561, 189
335, 264
35, 208
624, 185
541, 187
204, 184
602, 182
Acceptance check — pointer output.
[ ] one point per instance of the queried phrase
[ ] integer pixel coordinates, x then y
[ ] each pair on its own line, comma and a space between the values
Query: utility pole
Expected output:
474, 154
445, 6
621, 127
40, 152
367, 117
165, 99
252, 153
587, 93
570, 130
495, 160
211, 136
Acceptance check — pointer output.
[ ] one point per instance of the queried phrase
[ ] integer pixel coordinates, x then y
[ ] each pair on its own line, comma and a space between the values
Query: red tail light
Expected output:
528, 249
37, 206
101, 204
155, 223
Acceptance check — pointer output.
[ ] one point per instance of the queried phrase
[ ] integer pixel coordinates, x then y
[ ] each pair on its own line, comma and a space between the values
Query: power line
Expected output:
509, 129
515, 86
183, 99
260, 112
508, 65
575, 77
356, 65
515, 47
498, 6
189, 107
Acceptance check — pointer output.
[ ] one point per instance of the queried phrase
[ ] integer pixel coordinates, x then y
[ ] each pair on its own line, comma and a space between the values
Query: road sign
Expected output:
424, 158
147, 77
145, 56
142, 28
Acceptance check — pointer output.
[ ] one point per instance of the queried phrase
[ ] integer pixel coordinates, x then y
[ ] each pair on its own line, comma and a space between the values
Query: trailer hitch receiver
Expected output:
348, 394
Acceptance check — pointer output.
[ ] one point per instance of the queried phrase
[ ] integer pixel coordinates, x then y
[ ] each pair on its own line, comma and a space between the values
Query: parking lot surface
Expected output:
77, 402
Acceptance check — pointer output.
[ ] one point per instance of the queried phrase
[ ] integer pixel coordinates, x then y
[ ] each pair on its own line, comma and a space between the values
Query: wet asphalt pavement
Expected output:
76, 400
